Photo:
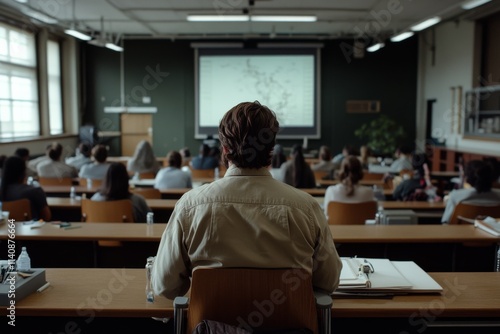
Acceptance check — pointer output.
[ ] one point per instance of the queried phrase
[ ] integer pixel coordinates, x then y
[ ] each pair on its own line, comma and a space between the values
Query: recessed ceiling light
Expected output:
283, 18
217, 18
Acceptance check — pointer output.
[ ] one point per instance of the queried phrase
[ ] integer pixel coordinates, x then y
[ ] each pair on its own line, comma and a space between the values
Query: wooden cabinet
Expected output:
447, 159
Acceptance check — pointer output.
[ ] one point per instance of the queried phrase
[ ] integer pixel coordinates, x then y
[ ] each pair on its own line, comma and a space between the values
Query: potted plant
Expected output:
382, 135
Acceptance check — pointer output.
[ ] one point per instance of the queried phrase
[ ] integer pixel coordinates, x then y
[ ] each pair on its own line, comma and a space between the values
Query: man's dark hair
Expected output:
55, 151
100, 153
174, 159
248, 134
479, 175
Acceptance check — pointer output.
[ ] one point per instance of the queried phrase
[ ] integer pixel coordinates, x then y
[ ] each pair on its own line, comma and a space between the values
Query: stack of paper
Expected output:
387, 276
489, 224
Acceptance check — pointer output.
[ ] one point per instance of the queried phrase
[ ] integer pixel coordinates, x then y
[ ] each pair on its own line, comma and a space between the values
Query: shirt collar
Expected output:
235, 171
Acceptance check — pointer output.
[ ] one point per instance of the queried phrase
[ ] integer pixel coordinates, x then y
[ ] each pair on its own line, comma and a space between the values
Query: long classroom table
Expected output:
433, 247
87, 299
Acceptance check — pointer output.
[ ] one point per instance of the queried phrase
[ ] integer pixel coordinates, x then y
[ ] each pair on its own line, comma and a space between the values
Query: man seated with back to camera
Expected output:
247, 218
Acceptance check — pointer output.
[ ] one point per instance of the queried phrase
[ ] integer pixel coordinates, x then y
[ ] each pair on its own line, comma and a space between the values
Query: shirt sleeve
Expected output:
171, 269
450, 207
326, 261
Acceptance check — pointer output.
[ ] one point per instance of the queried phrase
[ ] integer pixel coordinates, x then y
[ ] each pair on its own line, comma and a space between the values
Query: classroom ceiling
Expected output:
167, 18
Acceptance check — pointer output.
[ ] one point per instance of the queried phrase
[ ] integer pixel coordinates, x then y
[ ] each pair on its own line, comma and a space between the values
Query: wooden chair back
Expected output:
340, 213
230, 295
202, 173
147, 175
56, 181
320, 175
119, 211
471, 211
95, 182
372, 176
19, 210
150, 193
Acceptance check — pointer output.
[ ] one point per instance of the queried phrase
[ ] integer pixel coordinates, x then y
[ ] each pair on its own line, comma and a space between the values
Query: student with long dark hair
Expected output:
13, 188
116, 187
296, 171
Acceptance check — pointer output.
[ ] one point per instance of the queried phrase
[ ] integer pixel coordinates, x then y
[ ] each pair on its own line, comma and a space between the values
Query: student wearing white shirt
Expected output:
348, 190
172, 176
98, 168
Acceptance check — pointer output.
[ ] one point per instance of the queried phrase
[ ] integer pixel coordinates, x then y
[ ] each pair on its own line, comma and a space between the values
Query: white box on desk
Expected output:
399, 217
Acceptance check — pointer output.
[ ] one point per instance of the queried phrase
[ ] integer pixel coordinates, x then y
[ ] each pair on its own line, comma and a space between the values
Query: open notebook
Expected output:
387, 276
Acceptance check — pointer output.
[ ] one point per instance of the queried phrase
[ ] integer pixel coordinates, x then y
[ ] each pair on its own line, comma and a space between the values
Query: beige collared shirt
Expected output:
245, 219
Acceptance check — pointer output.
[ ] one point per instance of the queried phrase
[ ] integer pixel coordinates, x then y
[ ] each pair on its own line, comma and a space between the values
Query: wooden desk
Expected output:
321, 192
433, 247
368, 182
63, 191
120, 293
67, 209
68, 203
373, 234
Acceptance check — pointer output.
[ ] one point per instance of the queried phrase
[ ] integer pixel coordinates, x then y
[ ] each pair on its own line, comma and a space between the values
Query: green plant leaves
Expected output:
382, 135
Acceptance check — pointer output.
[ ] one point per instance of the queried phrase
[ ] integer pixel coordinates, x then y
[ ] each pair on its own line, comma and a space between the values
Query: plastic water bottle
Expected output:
216, 173
23, 262
497, 265
150, 297
379, 216
72, 193
89, 183
150, 219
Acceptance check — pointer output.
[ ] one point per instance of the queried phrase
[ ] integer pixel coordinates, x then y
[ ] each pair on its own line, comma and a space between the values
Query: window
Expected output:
54, 87
19, 116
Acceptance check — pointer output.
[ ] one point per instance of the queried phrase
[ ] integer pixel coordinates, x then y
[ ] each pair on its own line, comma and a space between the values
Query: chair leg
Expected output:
180, 306
324, 304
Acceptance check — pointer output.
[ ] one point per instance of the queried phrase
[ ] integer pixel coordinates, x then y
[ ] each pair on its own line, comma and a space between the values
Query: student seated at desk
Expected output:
348, 190
480, 176
144, 159
204, 160
325, 163
53, 167
296, 171
172, 176
81, 158
246, 218
98, 169
413, 189
402, 162
116, 187
13, 188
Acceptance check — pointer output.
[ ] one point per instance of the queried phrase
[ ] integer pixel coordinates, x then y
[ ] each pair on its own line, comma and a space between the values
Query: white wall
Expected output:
452, 66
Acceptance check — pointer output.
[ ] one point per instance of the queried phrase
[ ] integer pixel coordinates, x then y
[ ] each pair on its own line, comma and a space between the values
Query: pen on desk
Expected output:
43, 287
72, 227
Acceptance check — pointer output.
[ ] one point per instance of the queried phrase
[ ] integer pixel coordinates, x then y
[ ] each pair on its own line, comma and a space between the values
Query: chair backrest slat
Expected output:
340, 213
119, 211
19, 210
471, 211
263, 299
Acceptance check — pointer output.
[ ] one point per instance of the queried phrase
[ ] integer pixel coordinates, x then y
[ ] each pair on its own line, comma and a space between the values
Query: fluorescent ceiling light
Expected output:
473, 4
426, 24
283, 18
217, 18
78, 34
113, 47
375, 47
402, 36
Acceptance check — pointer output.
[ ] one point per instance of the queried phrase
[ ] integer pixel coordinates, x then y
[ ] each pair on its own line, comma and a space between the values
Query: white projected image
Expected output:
283, 83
